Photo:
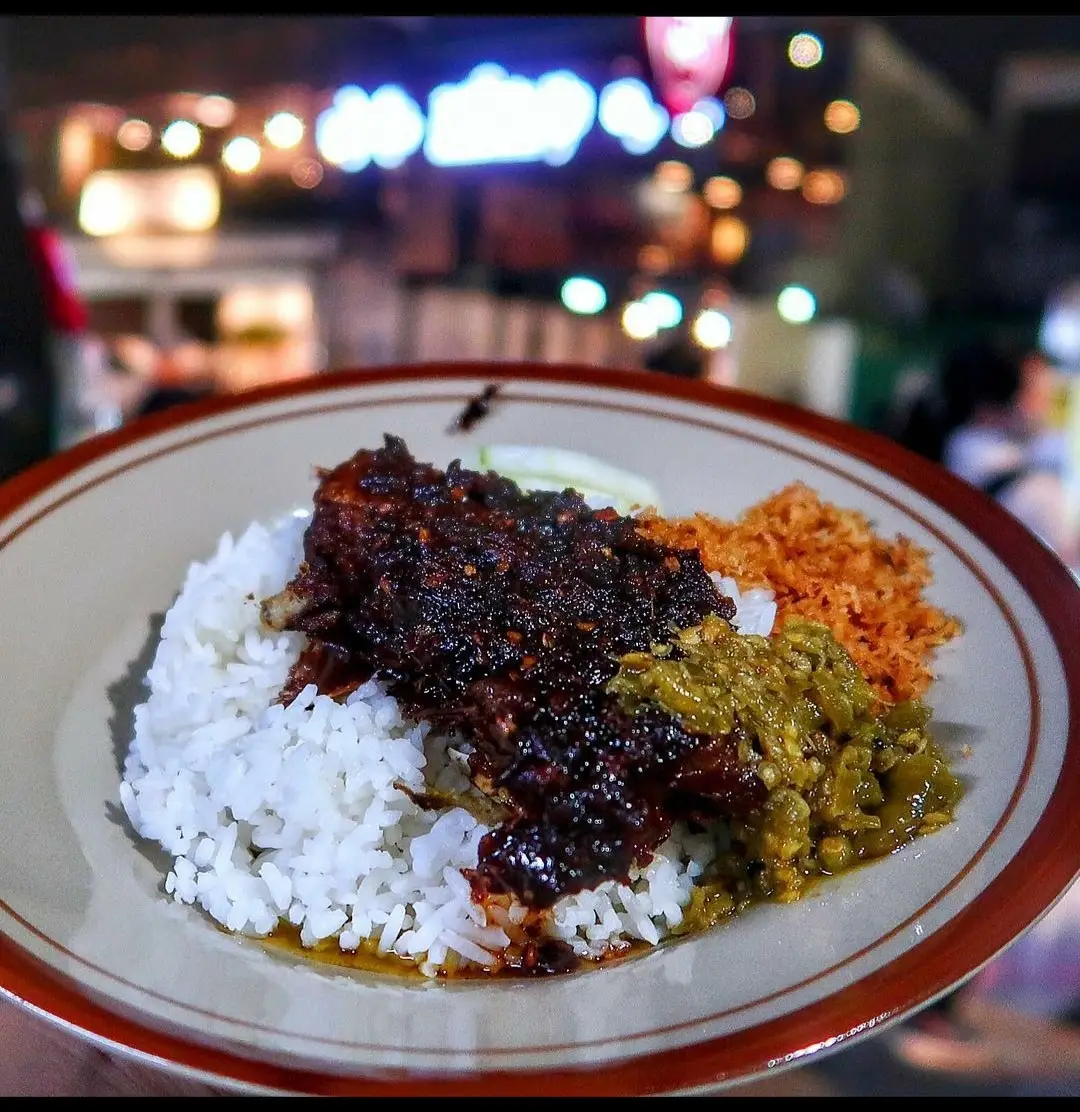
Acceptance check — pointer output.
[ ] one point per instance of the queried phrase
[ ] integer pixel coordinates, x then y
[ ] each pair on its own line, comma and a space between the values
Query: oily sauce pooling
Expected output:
503, 615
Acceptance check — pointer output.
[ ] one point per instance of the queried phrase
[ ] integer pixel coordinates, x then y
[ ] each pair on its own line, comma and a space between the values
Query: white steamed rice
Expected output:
279, 814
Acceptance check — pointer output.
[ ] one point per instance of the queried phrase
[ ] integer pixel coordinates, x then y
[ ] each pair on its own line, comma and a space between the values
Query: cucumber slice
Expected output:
545, 468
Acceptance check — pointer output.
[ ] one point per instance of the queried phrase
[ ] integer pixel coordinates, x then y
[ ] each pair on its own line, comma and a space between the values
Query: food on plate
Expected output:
501, 615
468, 726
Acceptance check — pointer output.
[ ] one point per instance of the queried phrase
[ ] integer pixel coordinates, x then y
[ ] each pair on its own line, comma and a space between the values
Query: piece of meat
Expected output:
502, 615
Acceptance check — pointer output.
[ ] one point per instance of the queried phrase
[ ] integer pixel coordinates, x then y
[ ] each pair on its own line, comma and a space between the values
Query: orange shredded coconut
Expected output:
827, 564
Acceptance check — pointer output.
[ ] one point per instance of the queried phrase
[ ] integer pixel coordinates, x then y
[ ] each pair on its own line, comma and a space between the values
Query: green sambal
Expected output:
848, 777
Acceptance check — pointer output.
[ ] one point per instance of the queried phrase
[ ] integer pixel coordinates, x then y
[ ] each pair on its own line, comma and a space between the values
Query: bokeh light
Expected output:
698, 126
284, 130
583, 295
712, 329
824, 187
796, 304
134, 135
627, 111
397, 126
105, 206
195, 202
784, 173
805, 50
181, 139
242, 155
666, 307
639, 321
692, 129
739, 103
386, 127
306, 172
842, 117
722, 192
729, 239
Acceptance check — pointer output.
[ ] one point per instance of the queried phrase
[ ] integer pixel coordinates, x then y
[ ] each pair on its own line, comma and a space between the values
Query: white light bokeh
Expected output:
639, 321
181, 139
242, 155
342, 130
796, 304
805, 50
691, 38
397, 126
195, 202
626, 110
495, 116
105, 206
284, 130
692, 129
712, 329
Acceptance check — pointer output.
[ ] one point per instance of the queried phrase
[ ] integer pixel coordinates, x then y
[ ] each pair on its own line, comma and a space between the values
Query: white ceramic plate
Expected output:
96, 541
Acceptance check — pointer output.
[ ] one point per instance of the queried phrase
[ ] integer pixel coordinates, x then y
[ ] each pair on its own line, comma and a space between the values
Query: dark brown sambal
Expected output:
503, 614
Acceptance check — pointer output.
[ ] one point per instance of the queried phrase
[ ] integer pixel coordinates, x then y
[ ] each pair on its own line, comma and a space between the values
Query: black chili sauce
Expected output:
503, 615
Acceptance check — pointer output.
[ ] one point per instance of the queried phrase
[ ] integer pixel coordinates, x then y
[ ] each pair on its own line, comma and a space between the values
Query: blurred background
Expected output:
824, 210
809, 208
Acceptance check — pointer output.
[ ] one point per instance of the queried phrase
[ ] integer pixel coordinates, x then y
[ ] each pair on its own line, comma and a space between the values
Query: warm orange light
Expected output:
673, 177
824, 187
842, 117
134, 135
729, 240
722, 192
784, 173
76, 151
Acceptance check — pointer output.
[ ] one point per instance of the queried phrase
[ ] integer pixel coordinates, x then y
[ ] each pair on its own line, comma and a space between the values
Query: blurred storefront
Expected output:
531, 193
240, 308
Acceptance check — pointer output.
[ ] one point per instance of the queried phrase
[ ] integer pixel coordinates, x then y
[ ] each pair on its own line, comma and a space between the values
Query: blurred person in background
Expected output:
66, 316
27, 378
134, 376
182, 373
988, 419
118, 374
1016, 1024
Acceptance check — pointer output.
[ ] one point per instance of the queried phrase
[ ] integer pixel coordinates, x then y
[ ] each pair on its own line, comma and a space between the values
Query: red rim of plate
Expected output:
1029, 885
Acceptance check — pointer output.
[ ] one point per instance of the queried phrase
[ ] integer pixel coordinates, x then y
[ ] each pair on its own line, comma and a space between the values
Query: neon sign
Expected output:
385, 128
628, 112
690, 56
493, 116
